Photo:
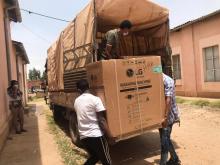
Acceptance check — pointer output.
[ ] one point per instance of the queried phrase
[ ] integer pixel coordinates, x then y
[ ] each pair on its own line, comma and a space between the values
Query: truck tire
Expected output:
73, 129
57, 113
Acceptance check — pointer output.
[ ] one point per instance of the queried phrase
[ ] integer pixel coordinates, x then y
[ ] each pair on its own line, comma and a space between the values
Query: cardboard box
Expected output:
132, 91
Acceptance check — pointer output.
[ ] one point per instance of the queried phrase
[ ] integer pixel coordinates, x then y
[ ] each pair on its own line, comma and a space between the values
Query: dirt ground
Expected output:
197, 142
36, 147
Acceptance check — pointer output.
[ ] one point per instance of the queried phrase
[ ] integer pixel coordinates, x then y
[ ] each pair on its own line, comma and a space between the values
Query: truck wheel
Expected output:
57, 113
73, 128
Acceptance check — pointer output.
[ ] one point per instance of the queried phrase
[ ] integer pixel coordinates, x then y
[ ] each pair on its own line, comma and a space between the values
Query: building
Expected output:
35, 84
13, 60
21, 59
195, 52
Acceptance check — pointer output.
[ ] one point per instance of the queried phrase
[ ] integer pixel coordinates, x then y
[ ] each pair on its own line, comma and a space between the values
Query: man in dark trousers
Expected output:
93, 128
171, 117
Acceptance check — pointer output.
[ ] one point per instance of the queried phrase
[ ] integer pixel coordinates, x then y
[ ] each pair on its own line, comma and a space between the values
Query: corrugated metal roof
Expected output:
195, 21
20, 50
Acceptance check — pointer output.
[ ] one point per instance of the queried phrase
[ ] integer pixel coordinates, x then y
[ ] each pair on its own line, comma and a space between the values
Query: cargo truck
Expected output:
131, 88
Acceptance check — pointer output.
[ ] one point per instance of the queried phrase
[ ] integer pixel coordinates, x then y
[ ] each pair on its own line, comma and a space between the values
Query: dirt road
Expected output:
36, 147
197, 141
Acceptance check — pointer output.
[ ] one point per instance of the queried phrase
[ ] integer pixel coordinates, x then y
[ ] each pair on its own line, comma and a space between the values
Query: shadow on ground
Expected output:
133, 151
23, 149
136, 150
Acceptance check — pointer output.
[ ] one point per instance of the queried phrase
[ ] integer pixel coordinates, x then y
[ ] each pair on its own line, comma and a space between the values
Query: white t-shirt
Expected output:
86, 107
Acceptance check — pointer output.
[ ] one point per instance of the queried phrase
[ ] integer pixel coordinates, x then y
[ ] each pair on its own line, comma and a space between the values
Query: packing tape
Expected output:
119, 109
161, 86
139, 104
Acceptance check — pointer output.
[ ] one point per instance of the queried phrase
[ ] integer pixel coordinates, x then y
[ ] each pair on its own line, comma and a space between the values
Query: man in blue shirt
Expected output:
171, 117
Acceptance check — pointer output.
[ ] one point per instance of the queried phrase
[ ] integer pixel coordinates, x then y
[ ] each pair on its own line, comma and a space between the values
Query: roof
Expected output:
20, 51
34, 83
13, 10
196, 20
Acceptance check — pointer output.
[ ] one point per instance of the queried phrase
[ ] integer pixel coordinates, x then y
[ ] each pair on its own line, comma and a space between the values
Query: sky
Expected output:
38, 33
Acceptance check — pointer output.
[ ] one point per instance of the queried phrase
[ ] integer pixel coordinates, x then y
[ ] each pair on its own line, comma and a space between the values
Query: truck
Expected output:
76, 51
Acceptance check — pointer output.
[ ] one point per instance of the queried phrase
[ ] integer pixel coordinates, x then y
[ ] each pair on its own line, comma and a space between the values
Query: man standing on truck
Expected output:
171, 117
111, 41
92, 125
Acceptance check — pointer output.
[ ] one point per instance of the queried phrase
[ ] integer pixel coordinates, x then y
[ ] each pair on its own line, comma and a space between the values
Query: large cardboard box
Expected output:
132, 91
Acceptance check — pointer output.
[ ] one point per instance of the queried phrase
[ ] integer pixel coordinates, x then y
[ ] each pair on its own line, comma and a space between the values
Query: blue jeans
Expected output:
166, 145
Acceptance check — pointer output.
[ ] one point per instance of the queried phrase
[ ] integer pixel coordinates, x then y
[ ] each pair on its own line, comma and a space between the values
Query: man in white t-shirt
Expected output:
92, 125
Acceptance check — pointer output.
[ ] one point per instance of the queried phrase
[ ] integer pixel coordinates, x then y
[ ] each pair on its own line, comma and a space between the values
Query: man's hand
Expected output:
108, 51
104, 127
111, 141
164, 123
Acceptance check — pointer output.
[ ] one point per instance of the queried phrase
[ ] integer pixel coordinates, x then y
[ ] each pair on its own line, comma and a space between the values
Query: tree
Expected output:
44, 76
34, 74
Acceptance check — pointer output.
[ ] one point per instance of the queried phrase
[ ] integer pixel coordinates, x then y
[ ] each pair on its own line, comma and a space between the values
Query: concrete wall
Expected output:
189, 43
13, 62
4, 111
5, 115
26, 84
22, 77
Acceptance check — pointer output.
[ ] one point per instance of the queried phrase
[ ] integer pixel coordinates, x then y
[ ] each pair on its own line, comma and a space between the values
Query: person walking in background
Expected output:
171, 117
92, 125
16, 107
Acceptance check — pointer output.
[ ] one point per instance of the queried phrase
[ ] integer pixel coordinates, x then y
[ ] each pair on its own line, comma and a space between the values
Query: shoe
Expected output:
173, 162
23, 130
18, 132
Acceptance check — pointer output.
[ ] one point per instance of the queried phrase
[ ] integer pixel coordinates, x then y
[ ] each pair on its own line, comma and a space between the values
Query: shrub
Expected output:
200, 103
215, 104
180, 100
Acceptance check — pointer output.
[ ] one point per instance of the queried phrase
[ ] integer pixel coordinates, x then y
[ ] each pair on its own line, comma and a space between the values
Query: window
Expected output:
176, 66
211, 64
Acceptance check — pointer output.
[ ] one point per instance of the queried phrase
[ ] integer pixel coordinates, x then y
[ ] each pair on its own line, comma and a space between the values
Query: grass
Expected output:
215, 104
180, 100
200, 102
70, 154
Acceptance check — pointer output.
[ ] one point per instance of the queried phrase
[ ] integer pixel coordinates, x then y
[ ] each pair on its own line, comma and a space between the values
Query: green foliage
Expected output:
180, 100
70, 154
34, 74
44, 76
215, 104
200, 103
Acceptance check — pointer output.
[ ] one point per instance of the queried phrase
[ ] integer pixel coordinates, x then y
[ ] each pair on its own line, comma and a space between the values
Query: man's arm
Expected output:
10, 105
104, 126
168, 91
168, 105
110, 37
167, 110
108, 50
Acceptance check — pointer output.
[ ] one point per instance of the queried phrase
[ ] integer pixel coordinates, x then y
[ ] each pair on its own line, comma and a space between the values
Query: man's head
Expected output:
14, 84
125, 27
82, 85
